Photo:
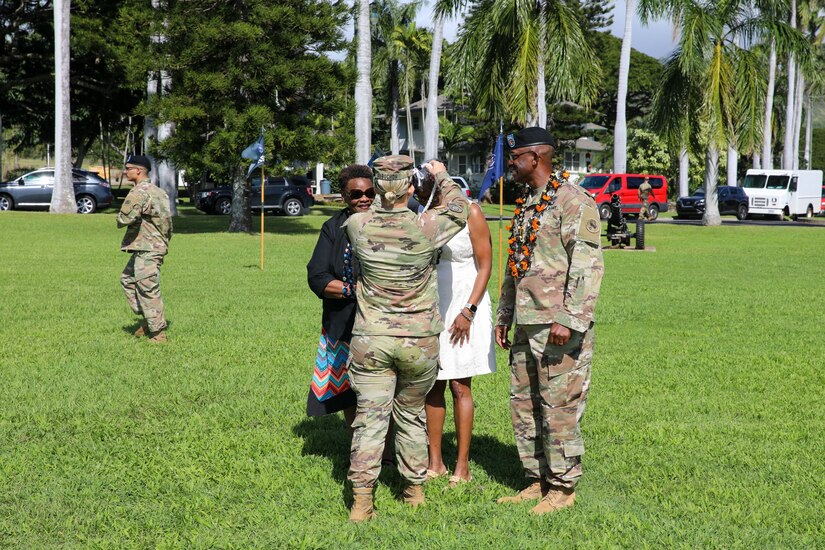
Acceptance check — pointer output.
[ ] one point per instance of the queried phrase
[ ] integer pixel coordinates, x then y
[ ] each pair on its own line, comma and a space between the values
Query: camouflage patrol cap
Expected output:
393, 176
393, 167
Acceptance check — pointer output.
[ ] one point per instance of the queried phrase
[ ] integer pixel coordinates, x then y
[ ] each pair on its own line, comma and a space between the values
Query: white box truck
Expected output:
783, 193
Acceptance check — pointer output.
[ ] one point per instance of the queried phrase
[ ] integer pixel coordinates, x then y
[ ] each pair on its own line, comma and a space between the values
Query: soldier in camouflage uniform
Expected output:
146, 215
394, 349
550, 287
644, 195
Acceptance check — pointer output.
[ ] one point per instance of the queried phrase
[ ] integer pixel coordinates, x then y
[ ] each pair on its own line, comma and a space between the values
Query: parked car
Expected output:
292, 196
33, 191
463, 184
732, 200
603, 186
822, 203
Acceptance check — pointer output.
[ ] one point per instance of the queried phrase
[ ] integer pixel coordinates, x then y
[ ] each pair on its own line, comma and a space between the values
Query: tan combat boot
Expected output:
362, 505
533, 492
414, 495
555, 499
141, 330
159, 336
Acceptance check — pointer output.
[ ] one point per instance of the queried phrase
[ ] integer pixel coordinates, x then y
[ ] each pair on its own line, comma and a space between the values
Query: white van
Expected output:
784, 192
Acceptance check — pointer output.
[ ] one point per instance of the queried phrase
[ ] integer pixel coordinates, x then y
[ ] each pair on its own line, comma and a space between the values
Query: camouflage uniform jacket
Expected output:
396, 292
644, 191
566, 271
146, 214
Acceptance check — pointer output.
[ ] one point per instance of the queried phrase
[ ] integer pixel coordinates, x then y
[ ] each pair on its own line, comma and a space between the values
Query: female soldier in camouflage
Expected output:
394, 350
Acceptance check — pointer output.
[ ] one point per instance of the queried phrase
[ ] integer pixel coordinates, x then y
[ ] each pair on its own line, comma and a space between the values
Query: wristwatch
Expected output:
472, 307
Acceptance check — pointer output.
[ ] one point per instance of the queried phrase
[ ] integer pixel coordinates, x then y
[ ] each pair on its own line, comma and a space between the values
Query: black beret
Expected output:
528, 137
140, 160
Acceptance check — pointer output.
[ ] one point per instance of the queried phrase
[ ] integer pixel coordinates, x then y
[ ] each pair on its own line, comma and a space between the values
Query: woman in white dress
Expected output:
463, 269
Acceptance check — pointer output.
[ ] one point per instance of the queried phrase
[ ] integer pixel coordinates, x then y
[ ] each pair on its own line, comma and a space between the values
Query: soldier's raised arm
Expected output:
440, 226
581, 237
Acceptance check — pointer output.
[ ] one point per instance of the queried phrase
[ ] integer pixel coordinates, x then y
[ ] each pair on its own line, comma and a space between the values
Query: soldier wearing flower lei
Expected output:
549, 293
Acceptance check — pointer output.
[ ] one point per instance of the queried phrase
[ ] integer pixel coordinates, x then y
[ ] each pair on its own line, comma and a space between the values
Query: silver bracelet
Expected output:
465, 316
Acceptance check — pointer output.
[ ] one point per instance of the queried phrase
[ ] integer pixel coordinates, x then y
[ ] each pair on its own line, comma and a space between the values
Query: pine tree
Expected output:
594, 14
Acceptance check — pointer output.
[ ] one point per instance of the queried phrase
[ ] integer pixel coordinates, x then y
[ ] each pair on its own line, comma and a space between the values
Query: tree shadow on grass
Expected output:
273, 224
327, 436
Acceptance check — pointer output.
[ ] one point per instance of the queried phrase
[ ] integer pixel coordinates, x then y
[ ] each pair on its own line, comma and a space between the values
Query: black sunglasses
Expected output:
356, 194
511, 157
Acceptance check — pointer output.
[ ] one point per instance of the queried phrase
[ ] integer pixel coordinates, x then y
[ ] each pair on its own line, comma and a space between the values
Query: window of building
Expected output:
416, 123
462, 164
571, 161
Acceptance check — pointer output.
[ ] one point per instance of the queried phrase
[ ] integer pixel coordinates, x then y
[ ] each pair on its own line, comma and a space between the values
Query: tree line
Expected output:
195, 81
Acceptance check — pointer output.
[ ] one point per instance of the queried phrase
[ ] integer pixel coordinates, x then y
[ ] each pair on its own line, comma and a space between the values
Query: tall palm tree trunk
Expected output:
431, 121
797, 126
395, 140
787, 149
541, 84
808, 131
733, 164
757, 160
363, 86
620, 130
163, 174
63, 199
711, 216
767, 154
684, 170
410, 139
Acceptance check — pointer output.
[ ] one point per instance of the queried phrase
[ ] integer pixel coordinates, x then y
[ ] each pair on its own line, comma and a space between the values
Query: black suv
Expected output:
292, 196
34, 191
732, 200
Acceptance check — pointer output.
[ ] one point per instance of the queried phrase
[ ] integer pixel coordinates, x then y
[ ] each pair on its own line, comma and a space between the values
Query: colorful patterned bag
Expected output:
330, 377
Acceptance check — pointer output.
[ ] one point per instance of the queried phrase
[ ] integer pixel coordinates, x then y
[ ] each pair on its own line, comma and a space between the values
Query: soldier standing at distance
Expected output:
644, 194
394, 349
146, 215
550, 288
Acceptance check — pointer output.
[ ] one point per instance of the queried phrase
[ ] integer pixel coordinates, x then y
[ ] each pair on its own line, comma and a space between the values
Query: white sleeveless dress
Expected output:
456, 275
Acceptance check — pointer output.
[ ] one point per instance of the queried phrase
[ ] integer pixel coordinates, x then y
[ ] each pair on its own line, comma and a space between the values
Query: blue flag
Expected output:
377, 154
255, 153
495, 168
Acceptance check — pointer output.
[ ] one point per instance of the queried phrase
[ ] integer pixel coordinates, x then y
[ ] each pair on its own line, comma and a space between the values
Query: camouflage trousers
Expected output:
141, 283
548, 393
644, 211
391, 376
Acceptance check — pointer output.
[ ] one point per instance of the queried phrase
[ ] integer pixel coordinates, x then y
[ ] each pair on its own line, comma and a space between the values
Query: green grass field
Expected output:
704, 426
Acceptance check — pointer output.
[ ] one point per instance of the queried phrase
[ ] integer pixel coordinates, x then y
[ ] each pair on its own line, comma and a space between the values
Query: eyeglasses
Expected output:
511, 157
356, 194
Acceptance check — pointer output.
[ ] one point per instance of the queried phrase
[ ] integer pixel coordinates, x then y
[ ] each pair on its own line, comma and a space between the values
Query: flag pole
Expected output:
263, 184
500, 216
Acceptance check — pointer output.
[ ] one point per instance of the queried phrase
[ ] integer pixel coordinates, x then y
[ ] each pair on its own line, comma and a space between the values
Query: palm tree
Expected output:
699, 83
453, 134
386, 67
431, 119
363, 85
620, 128
697, 92
159, 83
412, 42
787, 150
63, 199
495, 58
647, 9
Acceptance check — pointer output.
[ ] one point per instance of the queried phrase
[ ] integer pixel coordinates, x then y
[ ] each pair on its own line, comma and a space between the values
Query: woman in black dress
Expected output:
331, 274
